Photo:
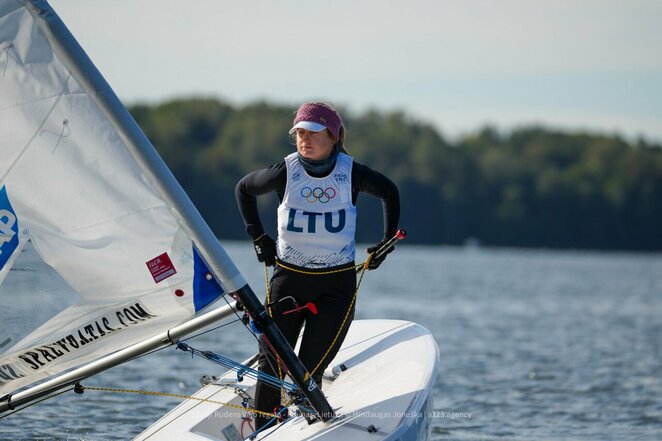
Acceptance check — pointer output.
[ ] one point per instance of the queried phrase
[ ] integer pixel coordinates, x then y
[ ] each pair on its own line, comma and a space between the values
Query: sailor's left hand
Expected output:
376, 261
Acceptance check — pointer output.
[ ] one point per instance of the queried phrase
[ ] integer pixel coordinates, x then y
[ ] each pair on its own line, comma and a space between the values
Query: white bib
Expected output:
317, 219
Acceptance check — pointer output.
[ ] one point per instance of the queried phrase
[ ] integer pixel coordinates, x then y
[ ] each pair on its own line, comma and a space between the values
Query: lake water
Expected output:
535, 345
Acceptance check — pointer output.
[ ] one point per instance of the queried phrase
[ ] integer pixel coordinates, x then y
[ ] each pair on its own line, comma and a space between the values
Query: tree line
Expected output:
531, 187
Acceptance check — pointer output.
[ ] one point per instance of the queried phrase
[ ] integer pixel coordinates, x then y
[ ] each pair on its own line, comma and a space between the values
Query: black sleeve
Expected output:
366, 180
257, 183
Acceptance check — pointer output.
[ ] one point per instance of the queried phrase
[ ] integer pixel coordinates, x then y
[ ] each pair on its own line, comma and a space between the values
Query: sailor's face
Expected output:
315, 146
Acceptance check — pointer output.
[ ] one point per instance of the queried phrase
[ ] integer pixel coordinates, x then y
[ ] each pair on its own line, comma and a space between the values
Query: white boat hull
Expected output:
384, 393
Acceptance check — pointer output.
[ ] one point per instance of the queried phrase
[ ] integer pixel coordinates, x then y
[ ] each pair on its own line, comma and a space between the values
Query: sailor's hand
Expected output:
375, 261
265, 248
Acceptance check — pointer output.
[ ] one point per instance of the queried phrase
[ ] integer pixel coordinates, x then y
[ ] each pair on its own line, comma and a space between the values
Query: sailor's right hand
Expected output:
265, 248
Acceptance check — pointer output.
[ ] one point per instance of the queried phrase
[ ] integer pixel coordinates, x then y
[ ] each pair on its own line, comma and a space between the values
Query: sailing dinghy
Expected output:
378, 384
131, 266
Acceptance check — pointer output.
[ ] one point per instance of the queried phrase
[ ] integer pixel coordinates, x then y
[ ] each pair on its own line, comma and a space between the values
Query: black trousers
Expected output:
332, 295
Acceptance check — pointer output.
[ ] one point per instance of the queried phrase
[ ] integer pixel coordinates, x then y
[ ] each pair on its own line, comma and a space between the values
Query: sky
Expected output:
592, 65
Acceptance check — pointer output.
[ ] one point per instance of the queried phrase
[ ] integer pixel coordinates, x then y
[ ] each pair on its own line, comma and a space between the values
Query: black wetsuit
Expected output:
331, 294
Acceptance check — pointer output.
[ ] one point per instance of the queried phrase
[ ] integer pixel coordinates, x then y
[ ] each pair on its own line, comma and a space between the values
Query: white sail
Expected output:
124, 248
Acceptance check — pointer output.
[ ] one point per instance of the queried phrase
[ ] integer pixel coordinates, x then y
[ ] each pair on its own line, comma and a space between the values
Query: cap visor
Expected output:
308, 125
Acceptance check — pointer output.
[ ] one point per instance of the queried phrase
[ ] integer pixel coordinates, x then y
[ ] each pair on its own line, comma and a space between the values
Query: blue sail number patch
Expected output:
8, 229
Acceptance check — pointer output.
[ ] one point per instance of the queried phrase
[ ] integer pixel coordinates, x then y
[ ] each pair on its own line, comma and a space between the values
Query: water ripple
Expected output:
537, 345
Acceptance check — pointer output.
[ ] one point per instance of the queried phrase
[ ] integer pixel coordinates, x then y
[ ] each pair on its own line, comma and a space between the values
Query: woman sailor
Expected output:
314, 279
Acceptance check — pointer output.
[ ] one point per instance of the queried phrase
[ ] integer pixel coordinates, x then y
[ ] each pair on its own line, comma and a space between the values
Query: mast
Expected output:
219, 263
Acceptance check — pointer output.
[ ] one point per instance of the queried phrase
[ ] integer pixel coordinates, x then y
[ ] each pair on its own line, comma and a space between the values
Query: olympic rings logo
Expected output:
313, 195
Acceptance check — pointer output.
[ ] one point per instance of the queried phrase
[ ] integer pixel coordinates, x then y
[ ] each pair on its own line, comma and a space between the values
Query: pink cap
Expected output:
317, 117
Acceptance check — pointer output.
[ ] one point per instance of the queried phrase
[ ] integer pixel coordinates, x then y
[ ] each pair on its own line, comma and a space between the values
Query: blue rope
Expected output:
268, 424
242, 370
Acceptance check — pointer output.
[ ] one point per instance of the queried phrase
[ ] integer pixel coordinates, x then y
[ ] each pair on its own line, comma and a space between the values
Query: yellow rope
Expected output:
280, 371
318, 273
342, 325
363, 266
184, 397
